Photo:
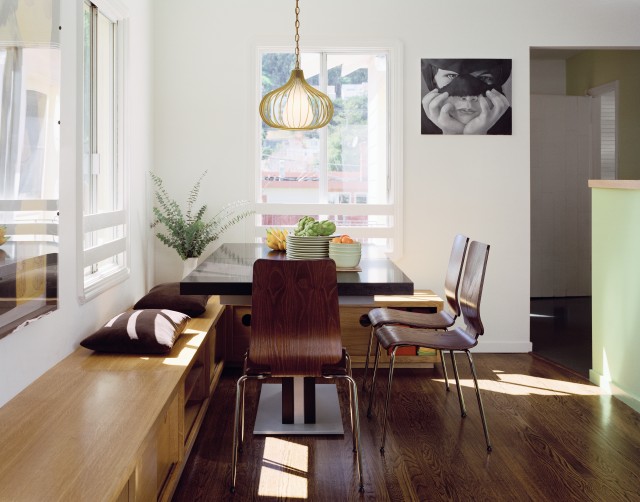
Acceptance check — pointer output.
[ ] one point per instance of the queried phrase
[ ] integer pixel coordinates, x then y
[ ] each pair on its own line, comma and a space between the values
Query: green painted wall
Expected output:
593, 68
616, 291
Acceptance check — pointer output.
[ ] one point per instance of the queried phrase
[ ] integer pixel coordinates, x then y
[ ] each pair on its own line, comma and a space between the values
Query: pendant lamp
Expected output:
296, 105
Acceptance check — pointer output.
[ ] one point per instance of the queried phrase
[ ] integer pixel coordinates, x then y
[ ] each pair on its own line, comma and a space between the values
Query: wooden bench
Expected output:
104, 427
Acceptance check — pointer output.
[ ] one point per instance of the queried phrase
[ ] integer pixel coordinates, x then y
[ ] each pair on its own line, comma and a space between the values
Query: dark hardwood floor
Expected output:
555, 438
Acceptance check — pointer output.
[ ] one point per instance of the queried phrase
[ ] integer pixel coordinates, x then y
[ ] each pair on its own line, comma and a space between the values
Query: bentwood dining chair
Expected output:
295, 332
443, 319
391, 337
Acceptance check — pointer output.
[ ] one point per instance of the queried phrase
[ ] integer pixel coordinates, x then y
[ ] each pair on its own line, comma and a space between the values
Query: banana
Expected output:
277, 238
271, 240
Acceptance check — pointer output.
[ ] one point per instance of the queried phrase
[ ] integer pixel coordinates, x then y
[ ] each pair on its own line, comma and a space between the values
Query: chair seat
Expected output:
436, 320
392, 336
334, 369
455, 339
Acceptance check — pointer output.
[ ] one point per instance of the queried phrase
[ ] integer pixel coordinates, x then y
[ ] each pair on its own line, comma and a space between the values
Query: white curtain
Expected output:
29, 23
10, 128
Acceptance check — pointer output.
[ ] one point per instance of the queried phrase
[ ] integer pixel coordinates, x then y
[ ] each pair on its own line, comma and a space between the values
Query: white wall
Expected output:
561, 151
549, 76
561, 164
29, 352
206, 116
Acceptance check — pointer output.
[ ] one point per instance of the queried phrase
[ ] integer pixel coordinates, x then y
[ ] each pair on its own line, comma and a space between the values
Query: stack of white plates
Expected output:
307, 248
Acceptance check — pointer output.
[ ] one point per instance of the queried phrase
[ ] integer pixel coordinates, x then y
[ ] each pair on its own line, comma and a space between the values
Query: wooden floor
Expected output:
555, 438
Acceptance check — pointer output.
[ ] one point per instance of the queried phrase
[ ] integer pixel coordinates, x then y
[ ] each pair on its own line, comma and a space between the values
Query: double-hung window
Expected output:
104, 202
348, 172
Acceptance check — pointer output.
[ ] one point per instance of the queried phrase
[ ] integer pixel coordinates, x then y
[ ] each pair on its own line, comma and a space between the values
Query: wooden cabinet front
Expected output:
354, 321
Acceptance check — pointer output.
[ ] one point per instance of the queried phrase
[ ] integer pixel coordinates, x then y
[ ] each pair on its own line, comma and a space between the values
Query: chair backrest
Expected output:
454, 273
295, 317
472, 283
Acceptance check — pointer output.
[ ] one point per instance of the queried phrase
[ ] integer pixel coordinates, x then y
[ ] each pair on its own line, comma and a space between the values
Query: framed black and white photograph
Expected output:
466, 96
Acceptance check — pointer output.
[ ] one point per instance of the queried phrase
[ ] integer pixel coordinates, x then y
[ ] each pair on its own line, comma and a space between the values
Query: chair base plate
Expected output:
269, 416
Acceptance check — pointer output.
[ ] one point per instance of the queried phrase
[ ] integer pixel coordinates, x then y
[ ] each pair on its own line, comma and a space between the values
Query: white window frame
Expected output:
93, 285
394, 232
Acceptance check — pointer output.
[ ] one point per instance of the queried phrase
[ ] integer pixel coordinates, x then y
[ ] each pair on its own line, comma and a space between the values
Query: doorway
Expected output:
561, 165
562, 162
608, 78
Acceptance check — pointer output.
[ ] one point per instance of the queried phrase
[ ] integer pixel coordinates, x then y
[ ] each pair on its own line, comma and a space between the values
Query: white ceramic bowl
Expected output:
356, 247
345, 260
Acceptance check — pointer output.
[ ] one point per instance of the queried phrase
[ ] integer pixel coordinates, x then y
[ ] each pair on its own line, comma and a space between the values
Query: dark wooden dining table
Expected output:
228, 272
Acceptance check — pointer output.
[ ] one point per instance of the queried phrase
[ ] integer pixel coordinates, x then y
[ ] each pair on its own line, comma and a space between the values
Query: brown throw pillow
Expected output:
167, 296
151, 331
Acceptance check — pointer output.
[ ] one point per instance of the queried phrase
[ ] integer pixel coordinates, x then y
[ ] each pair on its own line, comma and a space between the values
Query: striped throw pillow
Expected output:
149, 331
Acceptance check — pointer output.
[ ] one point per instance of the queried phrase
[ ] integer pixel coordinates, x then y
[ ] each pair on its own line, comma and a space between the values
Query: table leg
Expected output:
309, 399
298, 406
288, 401
298, 400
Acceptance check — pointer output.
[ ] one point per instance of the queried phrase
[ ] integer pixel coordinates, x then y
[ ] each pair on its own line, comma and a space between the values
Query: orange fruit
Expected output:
345, 239
336, 239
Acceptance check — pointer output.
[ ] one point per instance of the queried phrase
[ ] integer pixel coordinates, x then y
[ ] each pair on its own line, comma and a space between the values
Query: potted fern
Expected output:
189, 232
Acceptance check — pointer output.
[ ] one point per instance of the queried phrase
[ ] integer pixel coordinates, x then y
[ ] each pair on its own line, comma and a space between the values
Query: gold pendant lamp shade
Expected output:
296, 105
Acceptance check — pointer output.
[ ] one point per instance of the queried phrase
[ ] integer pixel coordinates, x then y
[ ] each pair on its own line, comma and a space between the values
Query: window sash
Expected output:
391, 229
105, 243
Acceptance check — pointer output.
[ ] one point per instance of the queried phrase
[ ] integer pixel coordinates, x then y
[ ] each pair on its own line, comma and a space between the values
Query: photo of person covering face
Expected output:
466, 96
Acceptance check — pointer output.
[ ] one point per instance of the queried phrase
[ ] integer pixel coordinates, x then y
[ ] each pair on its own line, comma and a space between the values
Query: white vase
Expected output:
189, 266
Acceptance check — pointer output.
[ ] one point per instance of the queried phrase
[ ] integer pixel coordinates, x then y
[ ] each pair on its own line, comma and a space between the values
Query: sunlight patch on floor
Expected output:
525, 385
284, 469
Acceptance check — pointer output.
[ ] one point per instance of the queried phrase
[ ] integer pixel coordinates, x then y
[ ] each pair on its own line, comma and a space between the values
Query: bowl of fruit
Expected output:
345, 251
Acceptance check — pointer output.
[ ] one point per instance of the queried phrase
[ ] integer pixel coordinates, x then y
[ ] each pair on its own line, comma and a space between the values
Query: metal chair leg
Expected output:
373, 379
244, 372
351, 409
386, 404
444, 370
356, 429
355, 416
463, 409
242, 415
234, 457
366, 361
484, 419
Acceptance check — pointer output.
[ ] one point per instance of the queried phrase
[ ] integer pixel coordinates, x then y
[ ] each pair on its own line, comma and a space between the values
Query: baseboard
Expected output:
599, 380
503, 347
627, 398
611, 388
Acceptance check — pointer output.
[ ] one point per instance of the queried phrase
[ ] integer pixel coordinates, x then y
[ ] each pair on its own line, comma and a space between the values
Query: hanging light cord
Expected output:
296, 106
297, 37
